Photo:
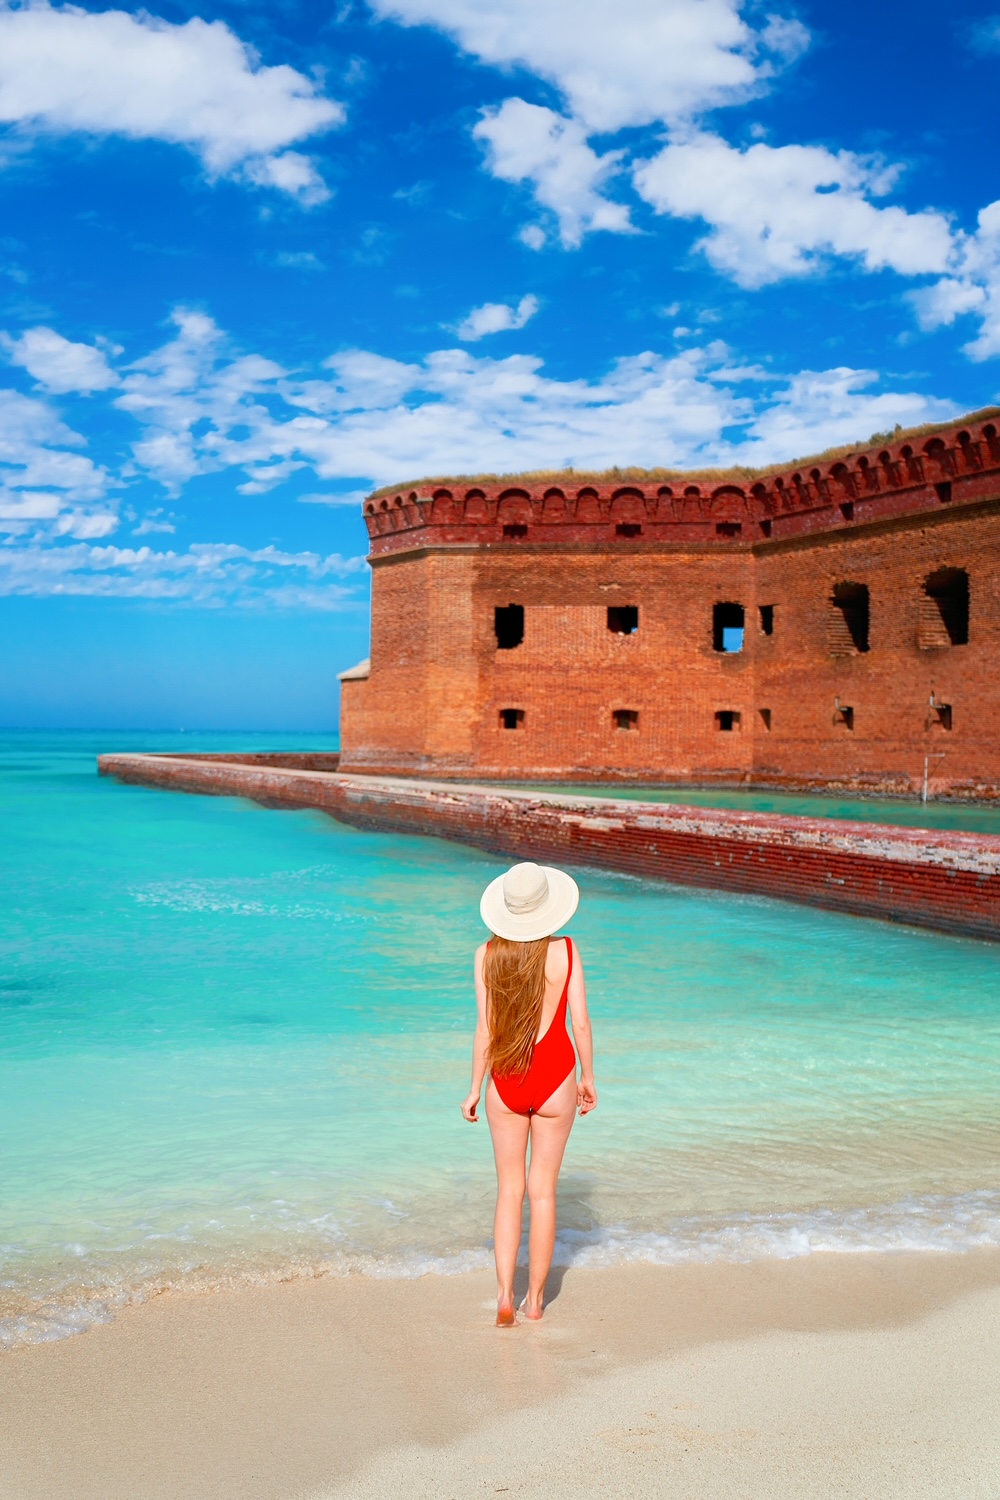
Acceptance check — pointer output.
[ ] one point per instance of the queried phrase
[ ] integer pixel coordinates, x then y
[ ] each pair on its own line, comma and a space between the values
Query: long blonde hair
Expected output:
514, 976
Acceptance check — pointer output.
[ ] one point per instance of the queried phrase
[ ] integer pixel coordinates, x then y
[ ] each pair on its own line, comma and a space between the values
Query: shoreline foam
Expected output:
934, 1224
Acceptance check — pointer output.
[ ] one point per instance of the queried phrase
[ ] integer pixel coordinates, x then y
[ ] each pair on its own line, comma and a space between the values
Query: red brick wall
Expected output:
442, 565
945, 880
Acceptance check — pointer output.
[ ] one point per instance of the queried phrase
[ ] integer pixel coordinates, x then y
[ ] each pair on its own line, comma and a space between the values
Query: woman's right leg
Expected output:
510, 1147
550, 1128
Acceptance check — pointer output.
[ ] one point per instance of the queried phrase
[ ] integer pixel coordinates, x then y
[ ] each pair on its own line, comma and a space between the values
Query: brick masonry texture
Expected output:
803, 705
944, 880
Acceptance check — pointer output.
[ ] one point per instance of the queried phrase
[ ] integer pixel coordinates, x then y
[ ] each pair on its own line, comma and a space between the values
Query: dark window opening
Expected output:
765, 528
849, 619
728, 622
943, 488
508, 622
939, 716
843, 716
944, 611
623, 619
767, 619
727, 719
765, 718
625, 718
511, 718
628, 529
847, 510
728, 528
512, 531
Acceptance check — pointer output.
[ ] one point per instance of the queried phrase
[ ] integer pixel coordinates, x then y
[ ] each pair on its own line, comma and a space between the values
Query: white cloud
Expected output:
197, 85
984, 35
773, 212
820, 409
972, 287
628, 63
205, 408
333, 497
207, 574
58, 364
153, 521
42, 475
776, 211
527, 143
298, 260
496, 317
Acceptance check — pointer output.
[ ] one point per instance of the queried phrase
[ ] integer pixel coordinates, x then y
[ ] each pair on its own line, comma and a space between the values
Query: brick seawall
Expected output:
941, 879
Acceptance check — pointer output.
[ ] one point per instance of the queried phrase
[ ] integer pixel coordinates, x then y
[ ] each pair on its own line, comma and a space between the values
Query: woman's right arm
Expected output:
586, 1092
479, 1043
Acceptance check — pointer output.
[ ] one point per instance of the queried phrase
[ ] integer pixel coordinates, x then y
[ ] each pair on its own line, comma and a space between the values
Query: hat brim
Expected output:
555, 911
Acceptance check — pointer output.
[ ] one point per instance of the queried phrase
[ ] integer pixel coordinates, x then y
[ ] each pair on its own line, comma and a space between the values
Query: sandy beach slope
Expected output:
861, 1376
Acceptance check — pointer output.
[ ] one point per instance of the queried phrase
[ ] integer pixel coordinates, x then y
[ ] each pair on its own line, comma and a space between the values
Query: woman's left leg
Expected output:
550, 1128
510, 1147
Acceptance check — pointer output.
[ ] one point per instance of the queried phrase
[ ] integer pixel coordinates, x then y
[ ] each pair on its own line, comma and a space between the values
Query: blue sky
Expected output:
257, 259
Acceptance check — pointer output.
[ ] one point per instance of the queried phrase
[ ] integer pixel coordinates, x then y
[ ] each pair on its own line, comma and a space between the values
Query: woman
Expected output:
524, 980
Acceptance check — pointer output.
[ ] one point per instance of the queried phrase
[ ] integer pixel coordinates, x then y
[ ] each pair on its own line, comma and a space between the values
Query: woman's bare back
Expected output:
556, 966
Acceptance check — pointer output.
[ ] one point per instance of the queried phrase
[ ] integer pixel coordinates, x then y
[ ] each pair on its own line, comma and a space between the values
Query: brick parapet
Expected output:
944, 880
952, 467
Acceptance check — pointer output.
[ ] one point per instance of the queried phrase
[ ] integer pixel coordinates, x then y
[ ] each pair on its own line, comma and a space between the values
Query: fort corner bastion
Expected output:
833, 624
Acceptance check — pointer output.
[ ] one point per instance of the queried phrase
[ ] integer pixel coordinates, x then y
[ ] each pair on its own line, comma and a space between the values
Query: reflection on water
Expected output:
234, 1042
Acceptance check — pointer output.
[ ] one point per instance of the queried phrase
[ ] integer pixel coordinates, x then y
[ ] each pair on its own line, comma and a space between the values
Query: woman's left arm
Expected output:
479, 1043
586, 1090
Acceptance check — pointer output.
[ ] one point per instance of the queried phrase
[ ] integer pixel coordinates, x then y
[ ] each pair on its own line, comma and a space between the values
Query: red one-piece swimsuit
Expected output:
552, 1061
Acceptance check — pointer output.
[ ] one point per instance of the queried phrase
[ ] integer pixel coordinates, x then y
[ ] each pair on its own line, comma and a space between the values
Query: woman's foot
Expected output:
505, 1315
533, 1309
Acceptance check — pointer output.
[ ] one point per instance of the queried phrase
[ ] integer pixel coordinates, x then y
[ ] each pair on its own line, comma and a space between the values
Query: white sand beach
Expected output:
864, 1375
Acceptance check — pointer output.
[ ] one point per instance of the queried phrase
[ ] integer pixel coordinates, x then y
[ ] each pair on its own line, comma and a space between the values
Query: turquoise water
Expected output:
974, 817
233, 1044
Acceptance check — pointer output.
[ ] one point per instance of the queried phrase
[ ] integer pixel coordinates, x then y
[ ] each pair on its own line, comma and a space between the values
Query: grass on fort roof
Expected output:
736, 474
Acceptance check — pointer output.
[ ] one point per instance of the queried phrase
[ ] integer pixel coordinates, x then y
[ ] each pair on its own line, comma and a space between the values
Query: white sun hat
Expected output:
529, 902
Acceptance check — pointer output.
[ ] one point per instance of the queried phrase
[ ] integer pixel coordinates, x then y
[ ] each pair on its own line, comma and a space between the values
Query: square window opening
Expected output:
849, 617
847, 510
943, 488
727, 720
940, 716
944, 612
767, 619
512, 718
514, 530
843, 717
728, 625
623, 619
508, 623
765, 718
765, 528
728, 528
625, 718
628, 529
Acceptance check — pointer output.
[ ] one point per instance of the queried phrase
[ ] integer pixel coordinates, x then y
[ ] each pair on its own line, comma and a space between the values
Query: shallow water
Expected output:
233, 1043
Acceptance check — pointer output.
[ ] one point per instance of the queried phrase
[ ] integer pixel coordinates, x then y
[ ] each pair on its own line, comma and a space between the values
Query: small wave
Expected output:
931, 1224
222, 899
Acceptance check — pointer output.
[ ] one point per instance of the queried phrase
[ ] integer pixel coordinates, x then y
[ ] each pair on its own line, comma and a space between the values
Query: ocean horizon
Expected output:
235, 1041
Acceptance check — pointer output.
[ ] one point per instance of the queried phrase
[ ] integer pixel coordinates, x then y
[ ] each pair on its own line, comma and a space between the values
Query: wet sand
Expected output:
864, 1376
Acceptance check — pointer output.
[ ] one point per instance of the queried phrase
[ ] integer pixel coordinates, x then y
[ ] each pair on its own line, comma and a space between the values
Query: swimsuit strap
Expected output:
569, 970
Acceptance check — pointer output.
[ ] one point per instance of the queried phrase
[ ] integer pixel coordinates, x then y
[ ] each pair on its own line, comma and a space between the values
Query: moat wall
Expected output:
944, 880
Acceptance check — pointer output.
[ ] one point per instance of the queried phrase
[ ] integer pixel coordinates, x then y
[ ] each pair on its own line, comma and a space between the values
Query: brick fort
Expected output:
833, 624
